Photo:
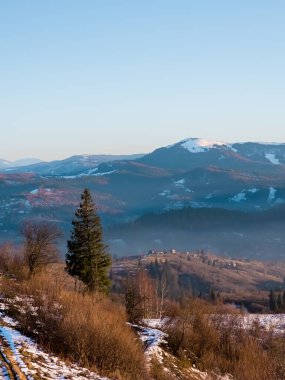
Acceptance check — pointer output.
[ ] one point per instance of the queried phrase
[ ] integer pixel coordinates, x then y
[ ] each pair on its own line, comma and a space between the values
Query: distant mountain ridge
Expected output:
185, 154
69, 166
195, 152
195, 173
4, 164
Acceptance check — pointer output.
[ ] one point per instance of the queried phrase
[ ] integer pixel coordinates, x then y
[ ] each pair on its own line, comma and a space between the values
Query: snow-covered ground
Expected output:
153, 338
24, 354
270, 322
32, 361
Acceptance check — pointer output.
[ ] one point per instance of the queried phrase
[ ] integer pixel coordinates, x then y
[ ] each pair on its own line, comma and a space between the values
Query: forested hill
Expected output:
243, 234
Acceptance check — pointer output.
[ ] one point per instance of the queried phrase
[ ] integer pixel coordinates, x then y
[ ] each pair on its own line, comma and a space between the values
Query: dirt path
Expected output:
8, 362
22, 359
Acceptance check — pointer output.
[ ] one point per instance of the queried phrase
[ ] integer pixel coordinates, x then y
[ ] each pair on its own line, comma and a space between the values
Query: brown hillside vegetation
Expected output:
87, 329
235, 279
90, 328
201, 334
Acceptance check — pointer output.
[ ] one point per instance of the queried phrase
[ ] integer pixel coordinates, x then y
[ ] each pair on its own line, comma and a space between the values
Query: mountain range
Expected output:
4, 164
208, 176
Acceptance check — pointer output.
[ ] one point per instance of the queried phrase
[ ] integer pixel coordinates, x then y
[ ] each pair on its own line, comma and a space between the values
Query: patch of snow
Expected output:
239, 197
164, 193
253, 190
196, 145
91, 172
269, 322
105, 173
272, 158
70, 176
155, 323
41, 364
9, 321
272, 193
152, 338
180, 183
28, 204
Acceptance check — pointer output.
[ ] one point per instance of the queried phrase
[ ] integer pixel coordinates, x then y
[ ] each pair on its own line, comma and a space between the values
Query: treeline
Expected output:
205, 218
277, 301
192, 228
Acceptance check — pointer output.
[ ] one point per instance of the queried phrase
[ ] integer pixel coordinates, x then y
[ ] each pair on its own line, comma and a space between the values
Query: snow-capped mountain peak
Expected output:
199, 145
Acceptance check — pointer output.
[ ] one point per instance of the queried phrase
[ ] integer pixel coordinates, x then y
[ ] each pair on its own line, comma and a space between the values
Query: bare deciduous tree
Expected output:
140, 295
40, 248
161, 294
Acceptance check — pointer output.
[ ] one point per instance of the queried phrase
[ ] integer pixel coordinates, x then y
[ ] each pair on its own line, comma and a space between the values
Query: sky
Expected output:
125, 76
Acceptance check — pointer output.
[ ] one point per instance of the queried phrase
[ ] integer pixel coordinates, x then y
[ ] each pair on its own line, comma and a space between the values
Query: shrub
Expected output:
219, 344
88, 329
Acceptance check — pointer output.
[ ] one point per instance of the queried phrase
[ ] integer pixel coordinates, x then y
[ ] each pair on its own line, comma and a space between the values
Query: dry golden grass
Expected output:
213, 345
88, 329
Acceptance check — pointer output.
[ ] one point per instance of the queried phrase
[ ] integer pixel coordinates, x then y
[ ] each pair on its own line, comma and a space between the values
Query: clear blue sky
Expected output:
114, 76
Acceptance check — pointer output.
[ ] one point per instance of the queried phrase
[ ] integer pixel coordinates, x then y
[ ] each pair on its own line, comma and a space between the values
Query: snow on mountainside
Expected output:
194, 153
71, 166
203, 152
272, 158
194, 172
270, 152
197, 145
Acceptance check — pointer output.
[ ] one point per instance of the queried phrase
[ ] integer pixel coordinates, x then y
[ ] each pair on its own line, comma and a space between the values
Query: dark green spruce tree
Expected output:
87, 258
272, 301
